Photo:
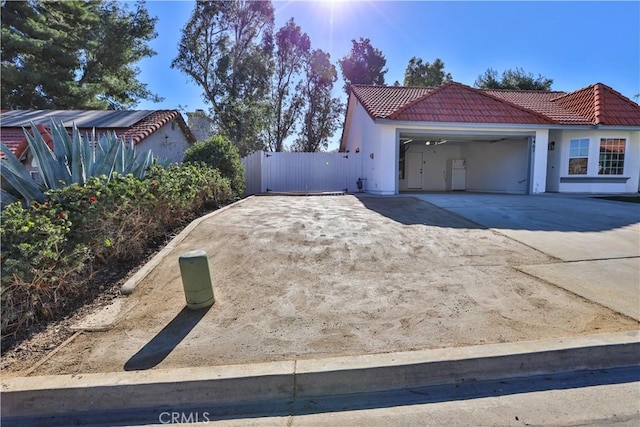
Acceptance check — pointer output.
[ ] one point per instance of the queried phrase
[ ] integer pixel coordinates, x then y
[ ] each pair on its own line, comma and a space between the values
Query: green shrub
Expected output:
189, 188
49, 249
115, 219
220, 153
120, 218
42, 270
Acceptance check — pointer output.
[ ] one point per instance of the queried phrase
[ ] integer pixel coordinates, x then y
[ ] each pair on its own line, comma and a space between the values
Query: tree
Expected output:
363, 65
74, 54
226, 49
292, 52
516, 79
323, 111
425, 74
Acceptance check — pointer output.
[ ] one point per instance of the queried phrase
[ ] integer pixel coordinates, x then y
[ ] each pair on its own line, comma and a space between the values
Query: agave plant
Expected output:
72, 160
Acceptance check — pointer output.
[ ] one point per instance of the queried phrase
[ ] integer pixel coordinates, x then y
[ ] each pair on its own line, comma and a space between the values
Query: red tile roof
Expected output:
15, 140
13, 137
381, 101
540, 102
600, 104
152, 123
453, 102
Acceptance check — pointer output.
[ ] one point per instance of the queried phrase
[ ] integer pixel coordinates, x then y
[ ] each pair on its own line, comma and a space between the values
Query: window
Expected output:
611, 156
578, 156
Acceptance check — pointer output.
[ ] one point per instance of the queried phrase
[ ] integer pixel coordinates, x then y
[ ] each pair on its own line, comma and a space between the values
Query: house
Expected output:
164, 132
455, 137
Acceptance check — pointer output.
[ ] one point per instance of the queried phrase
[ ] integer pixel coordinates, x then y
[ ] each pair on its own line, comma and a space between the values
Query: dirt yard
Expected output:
307, 277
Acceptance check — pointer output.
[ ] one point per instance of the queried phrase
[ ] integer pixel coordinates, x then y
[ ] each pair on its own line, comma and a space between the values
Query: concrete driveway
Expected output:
598, 240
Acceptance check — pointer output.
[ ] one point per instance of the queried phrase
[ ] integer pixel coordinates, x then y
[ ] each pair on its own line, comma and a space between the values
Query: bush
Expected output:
220, 153
119, 219
114, 219
47, 249
187, 189
42, 270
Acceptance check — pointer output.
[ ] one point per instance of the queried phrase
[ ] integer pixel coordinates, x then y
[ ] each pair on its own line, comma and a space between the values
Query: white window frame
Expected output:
579, 155
600, 159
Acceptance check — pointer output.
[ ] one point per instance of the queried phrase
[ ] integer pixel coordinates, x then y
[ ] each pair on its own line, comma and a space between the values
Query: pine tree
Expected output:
74, 54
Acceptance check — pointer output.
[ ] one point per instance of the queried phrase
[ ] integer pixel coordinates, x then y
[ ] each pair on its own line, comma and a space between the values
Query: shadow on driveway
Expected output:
412, 211
156, 350
507, 212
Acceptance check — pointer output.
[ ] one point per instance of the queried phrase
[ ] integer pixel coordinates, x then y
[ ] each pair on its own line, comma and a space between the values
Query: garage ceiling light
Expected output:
438, 142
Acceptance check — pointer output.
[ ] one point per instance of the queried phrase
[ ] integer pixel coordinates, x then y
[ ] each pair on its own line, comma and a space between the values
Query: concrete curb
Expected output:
131, 284
55, 396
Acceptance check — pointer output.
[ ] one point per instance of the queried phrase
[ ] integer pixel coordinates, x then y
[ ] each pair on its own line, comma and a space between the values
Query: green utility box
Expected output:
196, 279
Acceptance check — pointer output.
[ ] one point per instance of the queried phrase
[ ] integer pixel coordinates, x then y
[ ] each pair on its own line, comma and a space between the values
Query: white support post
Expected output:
539, 162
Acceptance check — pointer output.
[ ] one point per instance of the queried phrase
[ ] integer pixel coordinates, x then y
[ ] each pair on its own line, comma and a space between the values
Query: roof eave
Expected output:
347, 115
617, 127
465, 124
360, 101
410, 123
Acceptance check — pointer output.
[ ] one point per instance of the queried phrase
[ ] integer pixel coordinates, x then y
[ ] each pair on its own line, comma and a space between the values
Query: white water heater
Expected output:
456, 175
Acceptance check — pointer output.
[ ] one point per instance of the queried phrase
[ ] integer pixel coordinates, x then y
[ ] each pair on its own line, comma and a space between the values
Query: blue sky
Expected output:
574, 43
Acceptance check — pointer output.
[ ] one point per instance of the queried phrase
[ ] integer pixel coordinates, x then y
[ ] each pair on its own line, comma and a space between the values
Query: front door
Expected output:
414, 169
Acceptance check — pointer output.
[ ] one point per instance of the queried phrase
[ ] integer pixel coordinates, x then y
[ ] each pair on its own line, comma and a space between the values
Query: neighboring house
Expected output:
455, 137
164, 132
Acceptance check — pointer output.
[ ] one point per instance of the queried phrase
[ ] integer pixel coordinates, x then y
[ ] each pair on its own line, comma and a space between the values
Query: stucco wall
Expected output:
380, 162
631, 162
168, 142
553, 161
376, 144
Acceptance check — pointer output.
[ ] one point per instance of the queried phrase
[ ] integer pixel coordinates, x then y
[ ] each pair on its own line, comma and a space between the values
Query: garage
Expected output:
483, 163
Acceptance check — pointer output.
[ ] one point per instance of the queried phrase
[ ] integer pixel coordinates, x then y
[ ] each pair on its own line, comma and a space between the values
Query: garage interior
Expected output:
496, 163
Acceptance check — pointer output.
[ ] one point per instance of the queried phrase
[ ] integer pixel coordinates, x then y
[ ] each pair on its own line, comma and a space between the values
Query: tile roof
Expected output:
15, 140
453, 102
540, 102
381, 101
12, 138
145, 125
152, 123
602, 105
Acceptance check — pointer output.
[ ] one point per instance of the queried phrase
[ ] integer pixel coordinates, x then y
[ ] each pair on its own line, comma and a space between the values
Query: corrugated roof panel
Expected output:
82, 118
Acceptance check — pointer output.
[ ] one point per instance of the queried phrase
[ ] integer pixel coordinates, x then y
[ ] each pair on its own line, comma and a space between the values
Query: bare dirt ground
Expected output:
306, 277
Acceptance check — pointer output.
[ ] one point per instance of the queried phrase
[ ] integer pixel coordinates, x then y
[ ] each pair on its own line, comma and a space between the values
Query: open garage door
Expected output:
482, 163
